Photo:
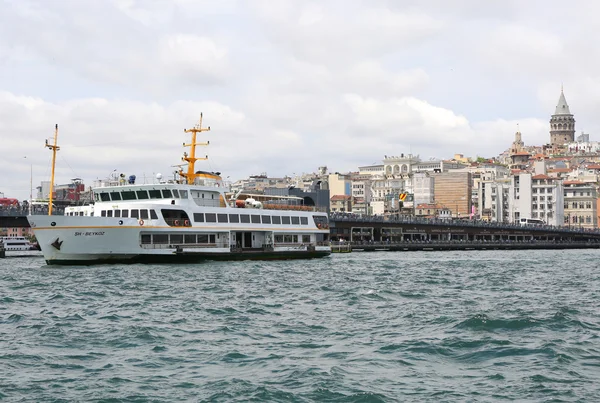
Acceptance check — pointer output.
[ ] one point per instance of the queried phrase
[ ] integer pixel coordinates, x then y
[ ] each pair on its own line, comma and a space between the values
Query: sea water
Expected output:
358, 327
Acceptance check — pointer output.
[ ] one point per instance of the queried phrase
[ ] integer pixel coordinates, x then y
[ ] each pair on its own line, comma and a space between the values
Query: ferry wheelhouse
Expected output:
188, 220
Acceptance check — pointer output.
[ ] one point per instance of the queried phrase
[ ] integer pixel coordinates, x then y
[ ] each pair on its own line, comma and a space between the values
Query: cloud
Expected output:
286, 86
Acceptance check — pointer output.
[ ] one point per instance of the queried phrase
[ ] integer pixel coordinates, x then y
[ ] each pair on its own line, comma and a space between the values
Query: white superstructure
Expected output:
15, 243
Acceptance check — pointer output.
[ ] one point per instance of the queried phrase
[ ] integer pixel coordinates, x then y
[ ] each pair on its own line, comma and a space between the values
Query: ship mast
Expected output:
191, 158
54, 149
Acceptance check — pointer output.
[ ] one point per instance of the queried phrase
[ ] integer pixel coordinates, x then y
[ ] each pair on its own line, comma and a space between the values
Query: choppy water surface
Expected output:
360, 327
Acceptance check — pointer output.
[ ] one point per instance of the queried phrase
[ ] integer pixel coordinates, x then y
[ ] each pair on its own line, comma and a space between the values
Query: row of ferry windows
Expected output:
178, 239
249, 218
174, 239
142, 195
135, 213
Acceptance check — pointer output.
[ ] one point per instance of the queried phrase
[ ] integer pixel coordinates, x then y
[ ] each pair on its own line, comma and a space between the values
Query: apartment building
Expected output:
453, 190
580, 204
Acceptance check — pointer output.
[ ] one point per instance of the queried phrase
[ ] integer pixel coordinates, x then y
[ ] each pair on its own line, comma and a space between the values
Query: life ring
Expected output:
186, 223
176, 223
141, 222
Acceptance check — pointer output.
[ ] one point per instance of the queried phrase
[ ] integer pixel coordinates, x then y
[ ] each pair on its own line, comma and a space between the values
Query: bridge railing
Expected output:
458, 223
36, 210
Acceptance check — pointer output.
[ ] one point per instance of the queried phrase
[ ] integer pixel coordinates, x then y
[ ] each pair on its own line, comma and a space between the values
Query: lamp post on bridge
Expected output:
30, 185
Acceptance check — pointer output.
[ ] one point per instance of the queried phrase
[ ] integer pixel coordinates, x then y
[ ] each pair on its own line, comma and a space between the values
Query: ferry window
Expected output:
142, 194
115, 195
266, 219
103, 213
128, 195
222, 217
146, 239
202, 238
287, 238
234, 218
305, 238
124, 213
278, 238
97, 197
144, 214
295, 220
189, 238
183, 194
104, 197
276, 219
244, 218
255, 219
135, 214
160, 238
199, 217
153, 215
176, 238
154, 194
109, 213
295, 238
211, 217
285, 220
117, 213
211, 238
303, 220
176, 193
166, 193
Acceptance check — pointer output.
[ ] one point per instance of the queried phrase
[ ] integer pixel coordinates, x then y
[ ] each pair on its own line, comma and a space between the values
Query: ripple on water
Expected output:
360, 327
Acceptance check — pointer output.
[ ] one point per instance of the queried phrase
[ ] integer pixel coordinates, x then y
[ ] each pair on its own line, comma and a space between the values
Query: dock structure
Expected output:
411, 233
459, 245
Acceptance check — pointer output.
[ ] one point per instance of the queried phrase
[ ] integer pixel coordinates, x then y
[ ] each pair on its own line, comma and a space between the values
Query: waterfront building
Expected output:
433, 210
341, 204
423, 187
562, 123
257, 183
494, 199
580, 204
536, 195
480, 174
339, 184
454, 190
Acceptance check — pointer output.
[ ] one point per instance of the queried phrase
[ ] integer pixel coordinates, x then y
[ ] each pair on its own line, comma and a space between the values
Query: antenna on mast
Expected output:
191, 157
54, 149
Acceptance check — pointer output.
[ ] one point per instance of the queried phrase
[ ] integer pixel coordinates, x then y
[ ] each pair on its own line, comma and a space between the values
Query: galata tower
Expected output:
562, 123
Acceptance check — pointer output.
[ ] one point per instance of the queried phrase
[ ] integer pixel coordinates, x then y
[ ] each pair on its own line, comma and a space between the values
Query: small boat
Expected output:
191, 219
15, 243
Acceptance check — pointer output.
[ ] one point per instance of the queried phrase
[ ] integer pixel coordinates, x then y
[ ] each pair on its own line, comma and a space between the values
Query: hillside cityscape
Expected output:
556, 183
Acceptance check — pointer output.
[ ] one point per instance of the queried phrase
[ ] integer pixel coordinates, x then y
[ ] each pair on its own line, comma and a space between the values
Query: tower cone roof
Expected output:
562, 108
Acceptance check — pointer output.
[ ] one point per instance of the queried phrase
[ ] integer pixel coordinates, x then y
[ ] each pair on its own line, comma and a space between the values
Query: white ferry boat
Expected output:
189, 220
15, 243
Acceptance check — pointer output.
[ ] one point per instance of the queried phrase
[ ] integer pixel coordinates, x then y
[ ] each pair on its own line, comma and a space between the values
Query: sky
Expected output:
286, 86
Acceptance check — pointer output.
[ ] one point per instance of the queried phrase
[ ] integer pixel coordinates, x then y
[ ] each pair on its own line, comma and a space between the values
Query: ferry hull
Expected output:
178, 258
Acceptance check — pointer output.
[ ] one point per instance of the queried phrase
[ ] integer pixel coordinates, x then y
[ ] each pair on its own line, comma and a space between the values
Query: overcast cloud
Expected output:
286, 86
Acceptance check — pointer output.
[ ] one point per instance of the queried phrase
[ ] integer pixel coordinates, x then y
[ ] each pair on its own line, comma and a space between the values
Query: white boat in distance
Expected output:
16, 243
188, 220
